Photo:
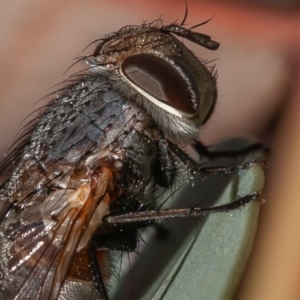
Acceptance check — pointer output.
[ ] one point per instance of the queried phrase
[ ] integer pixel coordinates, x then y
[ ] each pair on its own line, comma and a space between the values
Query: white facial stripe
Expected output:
156, 102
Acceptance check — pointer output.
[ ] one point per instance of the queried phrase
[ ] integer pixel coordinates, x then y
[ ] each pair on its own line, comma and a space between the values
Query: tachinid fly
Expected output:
98, 162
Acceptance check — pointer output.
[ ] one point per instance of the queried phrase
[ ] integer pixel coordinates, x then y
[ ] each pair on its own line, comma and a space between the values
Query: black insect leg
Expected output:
96, 273
193, 212
123, 241
203, 150
197, 169
228, 169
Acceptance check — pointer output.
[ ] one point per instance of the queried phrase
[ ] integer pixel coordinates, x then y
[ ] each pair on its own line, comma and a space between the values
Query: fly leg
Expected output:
96, 273
198, 169
203, 150
168, 213
228, 169
122, 241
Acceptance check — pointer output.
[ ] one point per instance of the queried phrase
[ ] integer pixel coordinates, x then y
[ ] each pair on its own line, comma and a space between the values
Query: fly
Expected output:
99, 161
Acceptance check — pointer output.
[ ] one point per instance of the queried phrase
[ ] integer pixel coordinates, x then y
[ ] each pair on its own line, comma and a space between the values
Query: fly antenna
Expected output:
203, 23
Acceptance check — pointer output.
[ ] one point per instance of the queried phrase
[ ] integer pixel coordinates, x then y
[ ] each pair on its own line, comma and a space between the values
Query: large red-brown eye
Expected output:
166, 81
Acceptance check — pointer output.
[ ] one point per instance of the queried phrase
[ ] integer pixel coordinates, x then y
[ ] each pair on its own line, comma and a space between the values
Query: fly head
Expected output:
153, 68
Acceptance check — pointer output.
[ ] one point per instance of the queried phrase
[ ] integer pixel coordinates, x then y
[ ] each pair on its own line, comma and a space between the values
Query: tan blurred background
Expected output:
259, 94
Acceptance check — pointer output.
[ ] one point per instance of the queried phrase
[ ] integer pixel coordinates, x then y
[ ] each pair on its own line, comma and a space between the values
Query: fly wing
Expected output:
37, 245
56, 193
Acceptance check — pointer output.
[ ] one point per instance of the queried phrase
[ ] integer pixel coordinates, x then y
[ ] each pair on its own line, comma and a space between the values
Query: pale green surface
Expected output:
211, 265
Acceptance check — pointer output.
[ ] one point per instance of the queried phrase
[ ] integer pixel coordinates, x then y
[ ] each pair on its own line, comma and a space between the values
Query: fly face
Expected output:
100, 159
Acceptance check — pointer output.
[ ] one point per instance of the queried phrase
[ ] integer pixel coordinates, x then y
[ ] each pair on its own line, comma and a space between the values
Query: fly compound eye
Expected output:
163, 81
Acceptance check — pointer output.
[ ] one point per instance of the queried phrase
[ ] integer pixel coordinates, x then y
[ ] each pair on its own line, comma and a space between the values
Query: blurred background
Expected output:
259, 94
